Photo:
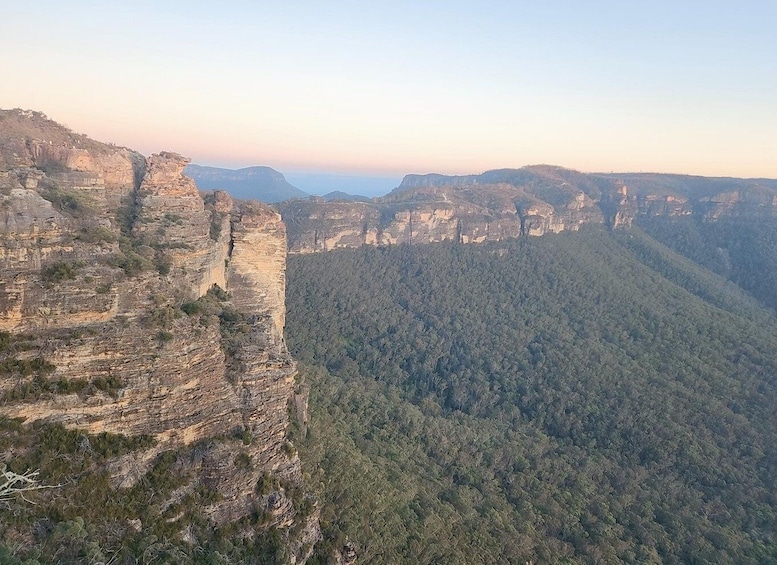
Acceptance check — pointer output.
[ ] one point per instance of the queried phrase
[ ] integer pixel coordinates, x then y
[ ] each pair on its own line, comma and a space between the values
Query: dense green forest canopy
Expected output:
742, 249
583, 397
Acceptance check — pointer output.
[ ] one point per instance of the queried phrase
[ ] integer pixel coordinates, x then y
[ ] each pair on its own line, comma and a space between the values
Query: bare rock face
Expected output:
30, 139
323, 226
171, 215
257, 265
426, 212
160, 394
708, 198
41, 244
511, 203
105, 264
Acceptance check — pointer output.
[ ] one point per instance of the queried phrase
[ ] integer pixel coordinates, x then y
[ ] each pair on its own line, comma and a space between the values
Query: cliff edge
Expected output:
132, 305
509, 203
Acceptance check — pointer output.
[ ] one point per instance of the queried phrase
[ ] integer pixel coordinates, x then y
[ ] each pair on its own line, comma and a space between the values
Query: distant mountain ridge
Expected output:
340, 195
509, 203
354, 184
690, 186
261, 183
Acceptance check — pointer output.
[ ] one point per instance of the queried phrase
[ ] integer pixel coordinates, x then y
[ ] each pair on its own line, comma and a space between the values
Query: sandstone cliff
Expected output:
435, 208
510, 203
161, 311
102, 172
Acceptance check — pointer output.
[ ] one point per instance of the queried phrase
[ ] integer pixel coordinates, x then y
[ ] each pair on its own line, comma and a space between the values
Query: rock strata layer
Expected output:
512, 203
106, 259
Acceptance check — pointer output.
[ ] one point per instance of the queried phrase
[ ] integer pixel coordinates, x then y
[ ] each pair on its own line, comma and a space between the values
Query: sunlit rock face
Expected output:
511, 203
257, 264
172, 214
103, 254
103, 171
434, 208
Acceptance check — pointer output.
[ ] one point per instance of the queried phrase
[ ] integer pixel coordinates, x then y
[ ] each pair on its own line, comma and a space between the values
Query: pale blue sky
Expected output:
397, 87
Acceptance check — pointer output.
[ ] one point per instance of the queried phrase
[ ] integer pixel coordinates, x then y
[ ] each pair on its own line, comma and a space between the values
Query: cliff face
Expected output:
107, 279
515, 202
101, 171
434, 208
172, 216
258, 266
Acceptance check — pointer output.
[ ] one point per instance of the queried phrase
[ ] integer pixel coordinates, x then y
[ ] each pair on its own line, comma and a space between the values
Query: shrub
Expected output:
64, 201
97, 234
219, 293
173, 219
164, 336
163, 263
192, 308
60, 271
243, 460
163, 316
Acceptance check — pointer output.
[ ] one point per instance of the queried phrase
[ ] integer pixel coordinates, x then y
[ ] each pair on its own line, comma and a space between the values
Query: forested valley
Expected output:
741, 249
590, 397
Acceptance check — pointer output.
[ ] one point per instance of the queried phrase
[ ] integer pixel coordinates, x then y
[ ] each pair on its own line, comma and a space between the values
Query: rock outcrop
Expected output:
257, 265
511, 203
103, 172
171, 216
163, 311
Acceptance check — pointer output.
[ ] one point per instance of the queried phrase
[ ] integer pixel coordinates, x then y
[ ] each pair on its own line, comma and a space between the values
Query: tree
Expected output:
15, 483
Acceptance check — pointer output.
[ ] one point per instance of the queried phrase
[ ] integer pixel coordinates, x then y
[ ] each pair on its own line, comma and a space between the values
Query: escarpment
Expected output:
510, 203
130, 304
33, 145
434, 210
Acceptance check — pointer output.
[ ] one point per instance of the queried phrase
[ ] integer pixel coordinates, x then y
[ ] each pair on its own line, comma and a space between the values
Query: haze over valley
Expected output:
321, 283
530, 364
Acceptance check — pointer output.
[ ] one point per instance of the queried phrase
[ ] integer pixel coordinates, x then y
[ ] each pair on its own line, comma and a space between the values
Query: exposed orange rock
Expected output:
511, 203
99, 249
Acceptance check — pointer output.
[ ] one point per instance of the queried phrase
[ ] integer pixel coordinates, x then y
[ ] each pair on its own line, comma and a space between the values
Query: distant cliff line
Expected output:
510, 203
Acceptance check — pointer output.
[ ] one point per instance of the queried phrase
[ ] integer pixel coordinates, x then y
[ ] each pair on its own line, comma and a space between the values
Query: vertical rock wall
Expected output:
257, 266
171, 216
100, 260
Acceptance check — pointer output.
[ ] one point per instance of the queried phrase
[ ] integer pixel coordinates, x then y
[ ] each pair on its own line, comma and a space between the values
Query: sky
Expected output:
388, 88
